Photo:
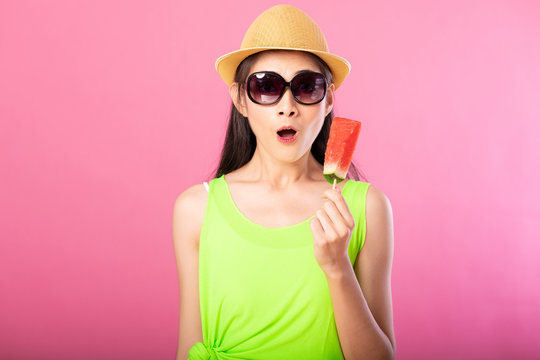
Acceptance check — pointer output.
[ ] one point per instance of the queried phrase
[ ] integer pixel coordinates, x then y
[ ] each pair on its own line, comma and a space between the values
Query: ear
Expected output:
330, 98
240, 105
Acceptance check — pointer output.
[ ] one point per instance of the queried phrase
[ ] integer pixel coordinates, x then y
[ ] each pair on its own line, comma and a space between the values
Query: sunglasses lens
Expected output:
309, 88
264, 88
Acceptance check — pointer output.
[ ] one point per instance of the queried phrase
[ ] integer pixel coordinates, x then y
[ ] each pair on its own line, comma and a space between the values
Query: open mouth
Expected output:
286, 133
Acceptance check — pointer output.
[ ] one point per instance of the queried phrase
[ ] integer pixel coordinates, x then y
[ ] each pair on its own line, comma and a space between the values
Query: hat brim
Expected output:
227, 64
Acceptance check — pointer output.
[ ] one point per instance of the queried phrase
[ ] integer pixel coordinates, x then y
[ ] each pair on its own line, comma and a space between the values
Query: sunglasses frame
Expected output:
285, 84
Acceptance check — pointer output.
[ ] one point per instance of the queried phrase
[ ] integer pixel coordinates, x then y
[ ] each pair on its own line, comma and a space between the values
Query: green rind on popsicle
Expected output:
330, 178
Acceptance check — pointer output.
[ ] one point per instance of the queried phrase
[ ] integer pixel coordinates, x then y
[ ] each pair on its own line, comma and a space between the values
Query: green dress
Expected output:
262, 292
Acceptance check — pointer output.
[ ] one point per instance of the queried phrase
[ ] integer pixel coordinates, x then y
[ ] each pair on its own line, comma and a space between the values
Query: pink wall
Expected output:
110, 109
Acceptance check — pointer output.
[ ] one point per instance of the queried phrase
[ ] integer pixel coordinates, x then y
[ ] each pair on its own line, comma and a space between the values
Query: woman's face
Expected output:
266, 120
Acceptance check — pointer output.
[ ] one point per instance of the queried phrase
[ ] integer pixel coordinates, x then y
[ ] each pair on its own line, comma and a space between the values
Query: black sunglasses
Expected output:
267, 87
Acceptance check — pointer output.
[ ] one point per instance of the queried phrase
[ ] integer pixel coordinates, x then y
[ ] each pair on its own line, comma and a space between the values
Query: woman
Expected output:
268, 254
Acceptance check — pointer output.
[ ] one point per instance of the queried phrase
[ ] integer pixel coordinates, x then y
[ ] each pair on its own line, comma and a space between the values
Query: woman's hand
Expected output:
332, 229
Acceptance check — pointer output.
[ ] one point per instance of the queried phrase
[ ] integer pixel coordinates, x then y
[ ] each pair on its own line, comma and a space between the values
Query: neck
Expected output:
279, 174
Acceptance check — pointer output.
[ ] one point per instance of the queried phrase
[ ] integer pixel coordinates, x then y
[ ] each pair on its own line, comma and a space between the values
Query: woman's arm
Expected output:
188, 212
361, 297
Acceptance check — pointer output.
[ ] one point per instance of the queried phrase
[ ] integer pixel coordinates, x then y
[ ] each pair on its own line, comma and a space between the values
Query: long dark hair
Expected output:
240, 141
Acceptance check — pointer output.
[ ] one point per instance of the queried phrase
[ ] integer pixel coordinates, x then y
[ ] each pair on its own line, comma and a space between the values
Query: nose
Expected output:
287, 104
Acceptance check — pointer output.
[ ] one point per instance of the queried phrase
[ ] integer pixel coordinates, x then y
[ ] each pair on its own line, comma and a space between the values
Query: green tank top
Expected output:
262, 293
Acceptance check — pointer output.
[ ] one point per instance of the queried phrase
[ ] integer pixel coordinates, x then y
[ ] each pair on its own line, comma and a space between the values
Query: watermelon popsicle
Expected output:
340, 148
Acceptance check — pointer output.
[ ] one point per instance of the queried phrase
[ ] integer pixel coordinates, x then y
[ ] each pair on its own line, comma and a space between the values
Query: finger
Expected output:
342, 206
316, 229
326, 223
337, 219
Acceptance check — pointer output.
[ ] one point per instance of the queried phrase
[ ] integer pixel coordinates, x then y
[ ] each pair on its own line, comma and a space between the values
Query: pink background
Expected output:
110, 109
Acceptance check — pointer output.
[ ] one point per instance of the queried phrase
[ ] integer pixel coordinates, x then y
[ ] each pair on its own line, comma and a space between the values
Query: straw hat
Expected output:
283, 27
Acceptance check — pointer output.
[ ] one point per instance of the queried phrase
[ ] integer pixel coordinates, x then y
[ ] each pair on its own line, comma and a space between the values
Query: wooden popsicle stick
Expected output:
334, 185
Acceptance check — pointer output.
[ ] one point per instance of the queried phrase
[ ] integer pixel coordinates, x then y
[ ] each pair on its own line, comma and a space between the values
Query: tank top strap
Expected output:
355, 194
206, 186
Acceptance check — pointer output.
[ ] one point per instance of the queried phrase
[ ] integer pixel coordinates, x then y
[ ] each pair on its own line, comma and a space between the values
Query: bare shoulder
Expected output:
193, 195
189, 209
378, 207
379, 223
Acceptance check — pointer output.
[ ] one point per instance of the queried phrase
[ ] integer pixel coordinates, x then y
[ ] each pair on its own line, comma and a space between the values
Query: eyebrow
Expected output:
296, 73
